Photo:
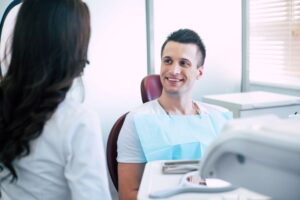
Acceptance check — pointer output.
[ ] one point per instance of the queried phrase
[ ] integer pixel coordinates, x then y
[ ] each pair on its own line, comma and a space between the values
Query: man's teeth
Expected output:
173, 79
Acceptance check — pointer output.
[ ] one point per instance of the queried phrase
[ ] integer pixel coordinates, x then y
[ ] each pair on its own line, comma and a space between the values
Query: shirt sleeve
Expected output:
129, 145
85, 170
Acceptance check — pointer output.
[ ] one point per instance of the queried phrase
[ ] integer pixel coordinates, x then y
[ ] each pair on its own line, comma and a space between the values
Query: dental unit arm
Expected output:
261, 154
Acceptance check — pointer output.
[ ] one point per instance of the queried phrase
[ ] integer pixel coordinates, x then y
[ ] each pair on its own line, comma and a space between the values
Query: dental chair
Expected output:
151, 87
261, 154
111, 149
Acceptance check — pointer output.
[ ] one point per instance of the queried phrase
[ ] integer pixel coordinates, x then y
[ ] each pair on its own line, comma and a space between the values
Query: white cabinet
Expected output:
256, 103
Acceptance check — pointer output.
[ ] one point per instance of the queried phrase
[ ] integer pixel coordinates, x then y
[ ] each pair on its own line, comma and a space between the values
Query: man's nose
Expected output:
175, 68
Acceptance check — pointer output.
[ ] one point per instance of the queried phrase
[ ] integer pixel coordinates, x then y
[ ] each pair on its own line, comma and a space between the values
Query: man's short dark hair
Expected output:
187, 36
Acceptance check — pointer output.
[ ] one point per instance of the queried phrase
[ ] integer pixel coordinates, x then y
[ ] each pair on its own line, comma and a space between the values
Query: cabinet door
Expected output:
281, 111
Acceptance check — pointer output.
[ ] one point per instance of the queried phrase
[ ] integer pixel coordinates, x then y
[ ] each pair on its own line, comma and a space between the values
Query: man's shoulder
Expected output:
150, 107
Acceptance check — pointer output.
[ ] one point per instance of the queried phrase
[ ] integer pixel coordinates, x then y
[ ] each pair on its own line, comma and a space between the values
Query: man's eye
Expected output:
167, 61
184, 63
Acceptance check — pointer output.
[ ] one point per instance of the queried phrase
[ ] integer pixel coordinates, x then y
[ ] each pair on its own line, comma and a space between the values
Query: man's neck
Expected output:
176, 105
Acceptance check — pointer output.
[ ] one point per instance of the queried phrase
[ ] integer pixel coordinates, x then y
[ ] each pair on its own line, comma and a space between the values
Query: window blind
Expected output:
274, 43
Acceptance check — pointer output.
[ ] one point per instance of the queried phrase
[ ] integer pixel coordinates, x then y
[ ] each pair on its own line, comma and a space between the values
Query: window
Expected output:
274, 43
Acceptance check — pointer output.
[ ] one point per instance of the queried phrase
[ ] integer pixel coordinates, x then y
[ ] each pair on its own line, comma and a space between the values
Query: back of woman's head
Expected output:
49, 49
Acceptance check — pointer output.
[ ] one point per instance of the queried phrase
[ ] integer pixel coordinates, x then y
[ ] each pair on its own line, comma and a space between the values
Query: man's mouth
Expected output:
174, 79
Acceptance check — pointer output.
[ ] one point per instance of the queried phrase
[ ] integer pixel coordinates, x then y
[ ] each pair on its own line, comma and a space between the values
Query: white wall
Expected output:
218, 23
117, 55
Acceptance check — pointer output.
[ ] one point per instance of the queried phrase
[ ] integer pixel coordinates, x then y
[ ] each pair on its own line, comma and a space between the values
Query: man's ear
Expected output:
199, 72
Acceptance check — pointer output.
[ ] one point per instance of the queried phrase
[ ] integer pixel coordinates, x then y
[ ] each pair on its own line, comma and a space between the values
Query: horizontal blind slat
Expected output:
274, 40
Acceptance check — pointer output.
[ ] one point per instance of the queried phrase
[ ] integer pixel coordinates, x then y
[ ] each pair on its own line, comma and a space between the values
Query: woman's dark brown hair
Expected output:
49, 49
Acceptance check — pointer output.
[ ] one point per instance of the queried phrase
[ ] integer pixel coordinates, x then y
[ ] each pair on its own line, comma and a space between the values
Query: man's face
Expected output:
179, 68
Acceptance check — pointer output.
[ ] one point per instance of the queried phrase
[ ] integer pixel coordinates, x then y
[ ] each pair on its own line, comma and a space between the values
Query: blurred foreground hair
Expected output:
49, 49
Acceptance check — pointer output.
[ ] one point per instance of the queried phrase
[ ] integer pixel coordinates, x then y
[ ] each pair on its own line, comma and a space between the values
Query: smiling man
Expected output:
174, 126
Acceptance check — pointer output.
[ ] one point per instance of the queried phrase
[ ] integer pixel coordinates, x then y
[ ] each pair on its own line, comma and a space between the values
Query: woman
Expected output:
50, 144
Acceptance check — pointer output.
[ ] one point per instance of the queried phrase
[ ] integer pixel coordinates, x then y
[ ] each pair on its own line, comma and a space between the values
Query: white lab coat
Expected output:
66, 162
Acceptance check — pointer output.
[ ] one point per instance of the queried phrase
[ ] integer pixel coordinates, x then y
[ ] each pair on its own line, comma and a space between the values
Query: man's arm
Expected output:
130, 175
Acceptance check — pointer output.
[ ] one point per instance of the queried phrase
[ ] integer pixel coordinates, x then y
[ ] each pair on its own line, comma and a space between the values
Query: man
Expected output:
174, 126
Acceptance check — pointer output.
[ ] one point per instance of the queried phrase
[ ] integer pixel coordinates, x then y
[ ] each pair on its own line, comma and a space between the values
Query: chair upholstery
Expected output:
111, 149
151, 87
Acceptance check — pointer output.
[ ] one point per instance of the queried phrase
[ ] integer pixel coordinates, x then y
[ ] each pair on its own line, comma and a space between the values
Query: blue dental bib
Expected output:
178, 137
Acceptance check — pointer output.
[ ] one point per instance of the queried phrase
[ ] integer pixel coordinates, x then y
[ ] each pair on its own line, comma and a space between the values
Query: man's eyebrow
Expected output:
185, 59
166, 57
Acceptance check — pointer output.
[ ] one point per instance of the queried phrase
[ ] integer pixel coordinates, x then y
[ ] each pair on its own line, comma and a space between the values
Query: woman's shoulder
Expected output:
72, 113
